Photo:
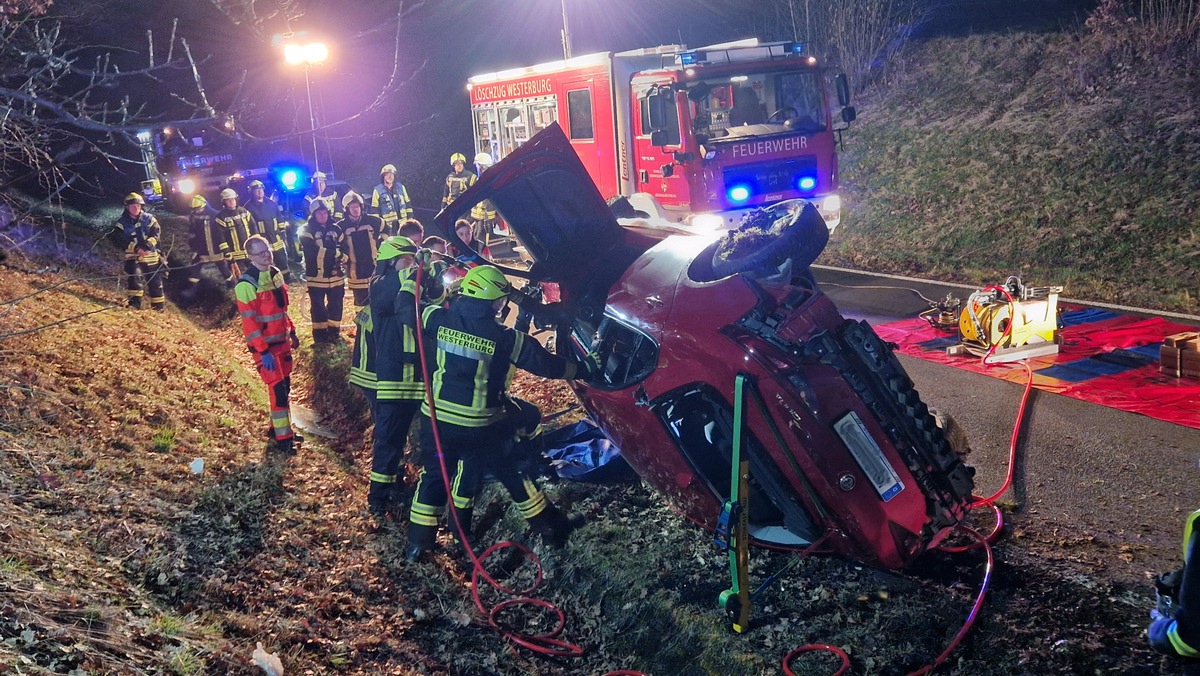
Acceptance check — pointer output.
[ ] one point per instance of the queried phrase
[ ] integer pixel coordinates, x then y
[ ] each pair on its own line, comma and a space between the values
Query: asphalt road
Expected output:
1101, 488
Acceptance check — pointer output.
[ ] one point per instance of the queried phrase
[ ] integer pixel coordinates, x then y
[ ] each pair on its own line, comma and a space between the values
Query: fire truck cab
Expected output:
693, 136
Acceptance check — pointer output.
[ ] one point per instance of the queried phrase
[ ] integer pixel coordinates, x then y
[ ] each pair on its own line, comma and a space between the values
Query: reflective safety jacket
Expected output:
141, 235
268, 222
362, 357
262, 300
331, 199
474, 358
360, 243
205, 238
322, 247
238, 225
1180, 635
390, 205
456, 184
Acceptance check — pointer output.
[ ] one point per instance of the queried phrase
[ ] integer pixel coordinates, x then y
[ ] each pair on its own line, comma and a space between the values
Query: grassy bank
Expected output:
1064, 158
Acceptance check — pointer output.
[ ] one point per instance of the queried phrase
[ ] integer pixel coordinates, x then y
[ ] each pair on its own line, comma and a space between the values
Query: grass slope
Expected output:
1063, 158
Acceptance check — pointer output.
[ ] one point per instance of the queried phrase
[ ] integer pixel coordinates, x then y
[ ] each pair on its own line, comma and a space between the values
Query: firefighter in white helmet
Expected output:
320, 190
138, 232
323, 258
389, 200
238, 225
361, 234
268, 221
458, 181
208, 243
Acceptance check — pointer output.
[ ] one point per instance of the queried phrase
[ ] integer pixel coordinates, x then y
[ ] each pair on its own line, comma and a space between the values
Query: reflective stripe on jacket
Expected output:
393, 311
391, 206
238, 225
360, 242
262, 300
267, 221
322, 255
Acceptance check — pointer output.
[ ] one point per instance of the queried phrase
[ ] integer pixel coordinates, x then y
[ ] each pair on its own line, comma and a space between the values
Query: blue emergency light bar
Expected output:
691, 58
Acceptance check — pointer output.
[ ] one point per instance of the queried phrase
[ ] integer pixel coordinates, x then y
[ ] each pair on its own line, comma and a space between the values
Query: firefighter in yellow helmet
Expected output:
1175, 629
138, 232
398, 386
361, 233
238, 225
207, 241
389, 200
471, 357
458, 181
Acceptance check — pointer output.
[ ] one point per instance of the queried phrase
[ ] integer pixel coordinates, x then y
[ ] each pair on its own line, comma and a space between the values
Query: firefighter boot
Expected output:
380, 498
554, 527
420, 540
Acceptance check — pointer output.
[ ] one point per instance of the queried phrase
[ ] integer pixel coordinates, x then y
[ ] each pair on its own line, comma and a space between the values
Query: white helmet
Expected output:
484, 160
229, 194
387, 169
350, 198
318, 176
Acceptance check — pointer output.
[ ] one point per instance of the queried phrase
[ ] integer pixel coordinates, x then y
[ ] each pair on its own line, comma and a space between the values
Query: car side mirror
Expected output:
849, 114
658, 137
843, 89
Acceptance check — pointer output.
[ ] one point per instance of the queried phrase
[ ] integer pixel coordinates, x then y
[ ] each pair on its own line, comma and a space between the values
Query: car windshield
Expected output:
758, 103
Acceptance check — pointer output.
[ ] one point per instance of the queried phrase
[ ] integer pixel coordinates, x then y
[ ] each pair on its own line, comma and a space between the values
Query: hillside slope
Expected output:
1068, 159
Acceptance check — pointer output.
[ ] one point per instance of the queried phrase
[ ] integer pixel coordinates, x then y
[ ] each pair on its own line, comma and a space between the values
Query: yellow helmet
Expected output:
485, 282
394, 246
387, 169
134, 198
199, 201
458, 157
228, 194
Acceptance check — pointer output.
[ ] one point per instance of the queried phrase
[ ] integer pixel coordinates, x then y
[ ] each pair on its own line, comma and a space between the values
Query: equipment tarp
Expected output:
1105, 359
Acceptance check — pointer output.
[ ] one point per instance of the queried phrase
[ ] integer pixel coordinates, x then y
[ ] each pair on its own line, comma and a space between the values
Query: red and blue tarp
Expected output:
1105, 358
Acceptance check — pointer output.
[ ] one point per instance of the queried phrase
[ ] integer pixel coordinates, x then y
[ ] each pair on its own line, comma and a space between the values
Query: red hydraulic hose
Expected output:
546, 643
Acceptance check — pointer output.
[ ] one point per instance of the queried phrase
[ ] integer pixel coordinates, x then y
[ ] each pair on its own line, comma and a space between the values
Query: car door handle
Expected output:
644, 175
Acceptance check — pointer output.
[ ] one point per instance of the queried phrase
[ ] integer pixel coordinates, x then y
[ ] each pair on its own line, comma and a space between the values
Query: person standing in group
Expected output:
144, 269
269, 222
262, 301
412, 229
321, 242
471, 357
208, 244
484, 214
399, 389
389, 200
361, 233
320, 190
238, 225
458, 181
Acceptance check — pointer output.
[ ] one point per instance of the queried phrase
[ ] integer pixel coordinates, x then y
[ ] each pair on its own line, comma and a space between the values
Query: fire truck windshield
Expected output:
757, 104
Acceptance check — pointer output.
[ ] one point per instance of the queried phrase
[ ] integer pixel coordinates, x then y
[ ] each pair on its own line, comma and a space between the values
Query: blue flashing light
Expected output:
691, 58
796, 47
738, 193
289, 179
806, 183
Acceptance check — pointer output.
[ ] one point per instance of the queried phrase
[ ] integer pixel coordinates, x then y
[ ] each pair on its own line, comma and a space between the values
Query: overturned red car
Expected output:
839, 443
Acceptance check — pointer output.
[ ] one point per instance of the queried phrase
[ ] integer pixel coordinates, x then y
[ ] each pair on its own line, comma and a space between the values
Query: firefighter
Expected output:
269, 222
458, 181
399, 389
323, 258
320, 190
484, 213
412, 229
208, 244
143, 267
1175, 630
262, 301
238, 225
389, 200
471, 357
361, 234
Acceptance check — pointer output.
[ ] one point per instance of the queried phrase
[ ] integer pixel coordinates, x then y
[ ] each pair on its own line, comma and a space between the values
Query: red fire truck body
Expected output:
695, 136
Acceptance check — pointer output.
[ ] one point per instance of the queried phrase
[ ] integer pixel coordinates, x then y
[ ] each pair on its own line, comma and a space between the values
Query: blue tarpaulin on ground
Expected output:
582, 452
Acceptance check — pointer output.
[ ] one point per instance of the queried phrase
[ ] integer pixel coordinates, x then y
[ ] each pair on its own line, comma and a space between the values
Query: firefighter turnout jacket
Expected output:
1179, 634
362, 356
266, 220
322, 247
456, 184
473, 362
141, 235
360, 243
238, 225
394, 313
262, 300
391, 205
206, 239
331, 199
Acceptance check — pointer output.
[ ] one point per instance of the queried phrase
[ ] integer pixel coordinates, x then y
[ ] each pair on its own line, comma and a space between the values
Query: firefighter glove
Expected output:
589, 366
268, 361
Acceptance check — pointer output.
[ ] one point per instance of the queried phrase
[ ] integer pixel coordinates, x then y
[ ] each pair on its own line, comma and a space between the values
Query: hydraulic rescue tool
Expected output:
1012, 321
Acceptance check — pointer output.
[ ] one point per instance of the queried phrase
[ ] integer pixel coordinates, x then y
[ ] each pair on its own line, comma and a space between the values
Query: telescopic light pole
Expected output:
566, 33
308, 55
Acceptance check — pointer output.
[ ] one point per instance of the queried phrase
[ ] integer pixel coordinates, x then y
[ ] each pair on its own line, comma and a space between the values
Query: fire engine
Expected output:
696, 136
